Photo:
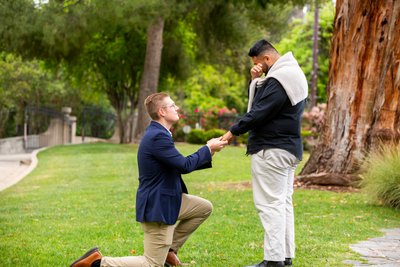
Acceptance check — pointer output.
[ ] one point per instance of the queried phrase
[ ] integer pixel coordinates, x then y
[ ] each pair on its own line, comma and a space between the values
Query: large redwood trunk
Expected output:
151, 72
363, 91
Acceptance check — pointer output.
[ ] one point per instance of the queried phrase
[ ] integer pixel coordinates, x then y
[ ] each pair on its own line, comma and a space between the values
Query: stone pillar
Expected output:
69, 129
72, 127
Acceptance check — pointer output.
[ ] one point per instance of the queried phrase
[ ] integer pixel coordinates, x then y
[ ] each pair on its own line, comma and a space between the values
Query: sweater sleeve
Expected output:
265, 107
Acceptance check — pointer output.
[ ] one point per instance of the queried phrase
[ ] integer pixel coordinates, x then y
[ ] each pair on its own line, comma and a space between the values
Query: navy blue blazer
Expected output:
159, 195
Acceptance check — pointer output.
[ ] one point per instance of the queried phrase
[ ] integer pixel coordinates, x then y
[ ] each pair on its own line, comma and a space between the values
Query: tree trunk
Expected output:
151, 72
364, 87
121, 127
118, 102
314, 73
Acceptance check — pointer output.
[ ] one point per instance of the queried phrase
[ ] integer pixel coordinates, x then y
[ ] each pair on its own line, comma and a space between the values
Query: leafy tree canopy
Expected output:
28, 83
299, 41
101, 44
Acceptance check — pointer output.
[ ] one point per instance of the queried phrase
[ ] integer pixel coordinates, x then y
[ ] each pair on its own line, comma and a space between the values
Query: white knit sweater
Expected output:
289, 74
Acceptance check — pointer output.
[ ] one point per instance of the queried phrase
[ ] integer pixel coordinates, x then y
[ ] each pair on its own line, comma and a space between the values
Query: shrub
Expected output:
381, 176
178, 134
312, 125
217, 117
310, 139
306, 133
196, 136
314, 118
242, 139
214, 133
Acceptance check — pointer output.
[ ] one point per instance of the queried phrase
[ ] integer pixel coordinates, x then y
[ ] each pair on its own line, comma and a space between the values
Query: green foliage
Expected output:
306, 133
242, 139
58, 31
205, 58
300, 42
312, 123
196, 136
96, 121
271, 20
381, 176
209, 87
223, 27
117, 60
309, 138
215, 120
59, 211
101, 45
221, 118
214, 133
29, 83
226, 29
180, 50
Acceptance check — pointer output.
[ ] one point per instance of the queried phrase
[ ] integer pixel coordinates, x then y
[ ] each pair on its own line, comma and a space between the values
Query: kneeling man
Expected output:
162, 198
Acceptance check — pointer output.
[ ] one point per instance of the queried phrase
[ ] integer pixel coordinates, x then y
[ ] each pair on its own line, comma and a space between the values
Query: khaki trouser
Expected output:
273, 175
159, 237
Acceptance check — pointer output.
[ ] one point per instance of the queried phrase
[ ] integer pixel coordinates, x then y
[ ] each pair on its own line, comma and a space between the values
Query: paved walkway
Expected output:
381, 251
14, 167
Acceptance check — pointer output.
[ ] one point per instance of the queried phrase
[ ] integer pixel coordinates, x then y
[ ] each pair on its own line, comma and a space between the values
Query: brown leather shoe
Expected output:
172, 259
87, 259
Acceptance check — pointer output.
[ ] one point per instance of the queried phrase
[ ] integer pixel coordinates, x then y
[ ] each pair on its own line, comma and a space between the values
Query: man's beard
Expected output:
267, 69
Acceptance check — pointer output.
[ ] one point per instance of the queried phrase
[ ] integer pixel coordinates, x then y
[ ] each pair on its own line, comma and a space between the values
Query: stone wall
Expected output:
61, 131
12, 145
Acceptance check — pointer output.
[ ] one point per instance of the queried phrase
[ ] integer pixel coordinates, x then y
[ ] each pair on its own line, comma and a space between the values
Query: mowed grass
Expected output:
83, 196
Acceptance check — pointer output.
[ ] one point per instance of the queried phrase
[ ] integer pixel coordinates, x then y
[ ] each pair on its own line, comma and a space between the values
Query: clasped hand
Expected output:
216, 144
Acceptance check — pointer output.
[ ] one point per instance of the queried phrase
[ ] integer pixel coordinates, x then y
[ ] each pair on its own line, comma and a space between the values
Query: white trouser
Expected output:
273, 175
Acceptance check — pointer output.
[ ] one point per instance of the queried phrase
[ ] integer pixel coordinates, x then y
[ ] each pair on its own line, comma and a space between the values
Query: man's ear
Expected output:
161, 112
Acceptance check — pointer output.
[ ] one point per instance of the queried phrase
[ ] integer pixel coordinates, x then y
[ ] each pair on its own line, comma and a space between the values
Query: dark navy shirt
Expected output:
272, 121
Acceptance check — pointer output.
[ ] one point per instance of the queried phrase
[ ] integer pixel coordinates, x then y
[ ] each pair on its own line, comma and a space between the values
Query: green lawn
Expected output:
84, 196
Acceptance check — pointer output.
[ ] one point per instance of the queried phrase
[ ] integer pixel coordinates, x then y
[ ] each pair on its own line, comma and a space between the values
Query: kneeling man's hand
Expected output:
216, 145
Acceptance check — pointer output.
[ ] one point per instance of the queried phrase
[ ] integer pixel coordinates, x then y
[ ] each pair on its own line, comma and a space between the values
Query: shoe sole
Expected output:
84, 256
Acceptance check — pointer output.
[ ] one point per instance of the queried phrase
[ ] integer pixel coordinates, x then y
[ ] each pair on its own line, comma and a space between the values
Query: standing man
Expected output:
276, 104
162, 198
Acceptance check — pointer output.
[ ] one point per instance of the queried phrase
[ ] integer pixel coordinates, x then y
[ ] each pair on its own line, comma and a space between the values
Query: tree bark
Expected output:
151, 72
314, 73
364, 87
118, 101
